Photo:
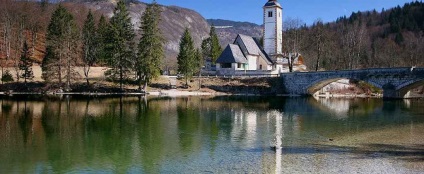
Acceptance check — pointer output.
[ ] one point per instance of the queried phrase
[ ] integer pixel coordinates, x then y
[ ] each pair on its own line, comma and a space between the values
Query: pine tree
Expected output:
90, 45
102, 40
150, 47
121, 47
61, 47
186, 56
216, 49
25, 64
206, 47
210, 46
199, 61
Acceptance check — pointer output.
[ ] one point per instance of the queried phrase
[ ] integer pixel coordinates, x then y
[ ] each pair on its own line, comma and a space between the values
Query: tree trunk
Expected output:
86, 72
318, 57
121, 76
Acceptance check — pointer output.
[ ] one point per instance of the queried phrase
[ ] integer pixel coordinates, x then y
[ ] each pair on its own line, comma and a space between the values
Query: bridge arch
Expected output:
317, 85
395, 82
406, 87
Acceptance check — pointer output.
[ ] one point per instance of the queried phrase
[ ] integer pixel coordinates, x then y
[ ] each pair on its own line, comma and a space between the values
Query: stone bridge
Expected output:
395, 82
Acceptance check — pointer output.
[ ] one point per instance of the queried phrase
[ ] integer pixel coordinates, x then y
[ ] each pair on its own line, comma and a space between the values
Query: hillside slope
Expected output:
227, 30
174, 21
370, 39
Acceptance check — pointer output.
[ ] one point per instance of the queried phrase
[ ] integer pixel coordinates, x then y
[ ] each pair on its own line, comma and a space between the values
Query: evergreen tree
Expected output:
25, 64
89, 45
210, 46
61, 47
150, 47
186, 56
102, 39
121, 47
206, 47
199, 61
216, 49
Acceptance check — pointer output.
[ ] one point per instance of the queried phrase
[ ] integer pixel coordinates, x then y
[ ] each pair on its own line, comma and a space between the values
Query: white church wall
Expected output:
252, 65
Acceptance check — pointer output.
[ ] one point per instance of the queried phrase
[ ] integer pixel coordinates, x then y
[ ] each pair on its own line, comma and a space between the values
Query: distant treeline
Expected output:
390, 38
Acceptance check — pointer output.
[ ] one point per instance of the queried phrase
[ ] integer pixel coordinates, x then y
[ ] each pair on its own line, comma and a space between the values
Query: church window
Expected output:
226, 65
270, 14
260, 67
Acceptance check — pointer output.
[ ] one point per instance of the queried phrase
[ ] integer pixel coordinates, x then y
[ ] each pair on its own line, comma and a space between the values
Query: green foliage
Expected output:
89, 40
199, 61
25, 64
150, 47
186, 56
120, 51
61, 46
206, 47
102, 39
210, 46
7, 77
216, 49
89, 44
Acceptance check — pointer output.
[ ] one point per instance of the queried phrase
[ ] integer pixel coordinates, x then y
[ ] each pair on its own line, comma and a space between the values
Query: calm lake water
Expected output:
78, 134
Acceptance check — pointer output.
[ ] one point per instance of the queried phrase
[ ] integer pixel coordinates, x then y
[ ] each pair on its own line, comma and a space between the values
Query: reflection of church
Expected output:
246, 55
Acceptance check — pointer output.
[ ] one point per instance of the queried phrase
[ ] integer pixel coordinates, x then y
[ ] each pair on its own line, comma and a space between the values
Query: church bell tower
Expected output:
273, 28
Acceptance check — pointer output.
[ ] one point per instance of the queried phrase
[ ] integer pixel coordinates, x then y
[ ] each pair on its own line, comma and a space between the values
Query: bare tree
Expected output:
292, 41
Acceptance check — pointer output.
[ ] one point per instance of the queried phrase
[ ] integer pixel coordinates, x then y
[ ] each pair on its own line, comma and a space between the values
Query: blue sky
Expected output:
306, 10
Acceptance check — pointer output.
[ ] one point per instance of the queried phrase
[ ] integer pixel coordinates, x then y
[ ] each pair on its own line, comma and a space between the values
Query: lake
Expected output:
227, 134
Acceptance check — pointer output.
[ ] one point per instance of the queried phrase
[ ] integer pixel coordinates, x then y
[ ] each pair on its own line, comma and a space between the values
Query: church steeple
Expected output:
273, 28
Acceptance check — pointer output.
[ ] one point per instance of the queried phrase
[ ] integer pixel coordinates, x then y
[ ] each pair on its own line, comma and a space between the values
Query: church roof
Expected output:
232, 54
250, 46
272, 3
242, 47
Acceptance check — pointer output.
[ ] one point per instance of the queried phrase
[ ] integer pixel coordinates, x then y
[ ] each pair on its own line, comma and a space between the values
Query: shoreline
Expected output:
179, 93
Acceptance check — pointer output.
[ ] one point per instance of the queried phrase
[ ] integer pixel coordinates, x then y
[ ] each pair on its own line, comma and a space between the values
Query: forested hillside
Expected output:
28, 20
390, 38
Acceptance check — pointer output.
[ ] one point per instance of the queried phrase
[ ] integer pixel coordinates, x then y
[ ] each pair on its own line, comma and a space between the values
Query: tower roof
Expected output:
272, 3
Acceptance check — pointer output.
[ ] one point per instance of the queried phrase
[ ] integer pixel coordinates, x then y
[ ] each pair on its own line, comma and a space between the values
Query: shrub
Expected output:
7, 77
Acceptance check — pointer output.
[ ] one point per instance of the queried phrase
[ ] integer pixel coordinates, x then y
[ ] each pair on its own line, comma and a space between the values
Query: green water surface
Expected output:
77, 134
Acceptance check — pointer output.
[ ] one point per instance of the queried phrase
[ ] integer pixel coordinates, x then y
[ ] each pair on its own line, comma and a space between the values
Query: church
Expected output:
246, 56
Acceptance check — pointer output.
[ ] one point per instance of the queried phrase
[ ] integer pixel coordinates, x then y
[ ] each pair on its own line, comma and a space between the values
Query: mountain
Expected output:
227, 30
174, 21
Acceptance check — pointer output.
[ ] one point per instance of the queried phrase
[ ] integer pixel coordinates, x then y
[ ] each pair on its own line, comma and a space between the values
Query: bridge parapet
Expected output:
393, 81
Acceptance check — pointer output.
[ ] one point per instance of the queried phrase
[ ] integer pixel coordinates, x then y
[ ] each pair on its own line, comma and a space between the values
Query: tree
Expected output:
101, 39
206, 47
293, 41
121, 47
210, 46
18, 33
89, 45
7, 77
61, 47
216, 49
25, 64
186, 56
150, 47
199, 61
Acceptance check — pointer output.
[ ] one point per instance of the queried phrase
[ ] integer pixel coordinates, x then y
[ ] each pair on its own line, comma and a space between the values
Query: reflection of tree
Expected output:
188, 125
25, 122
151, 136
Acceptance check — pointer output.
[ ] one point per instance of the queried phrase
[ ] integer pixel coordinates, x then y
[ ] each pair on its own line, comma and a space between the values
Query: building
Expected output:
245, 56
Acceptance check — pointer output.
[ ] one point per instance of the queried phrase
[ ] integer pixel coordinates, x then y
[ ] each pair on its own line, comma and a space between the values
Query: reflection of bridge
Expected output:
395, 82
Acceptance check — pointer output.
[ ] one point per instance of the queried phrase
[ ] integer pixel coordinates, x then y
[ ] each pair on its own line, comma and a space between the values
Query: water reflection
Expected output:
194, 135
